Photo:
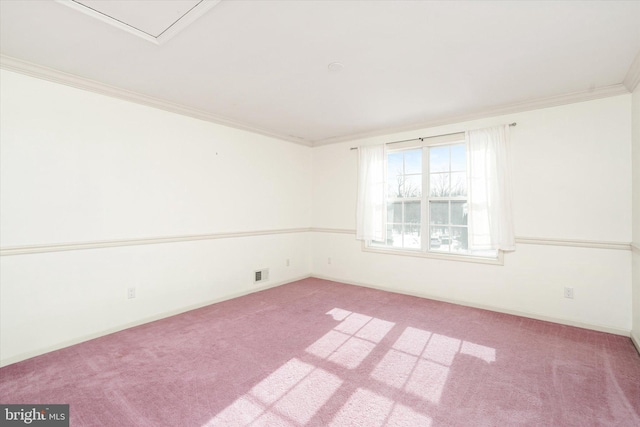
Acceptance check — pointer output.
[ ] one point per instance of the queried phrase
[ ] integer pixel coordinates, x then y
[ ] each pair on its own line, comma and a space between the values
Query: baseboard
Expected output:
636, 341
497, 309
160, 316
15, 359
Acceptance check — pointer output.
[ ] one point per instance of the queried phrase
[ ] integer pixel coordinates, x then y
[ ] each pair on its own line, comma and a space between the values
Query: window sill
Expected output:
433, 255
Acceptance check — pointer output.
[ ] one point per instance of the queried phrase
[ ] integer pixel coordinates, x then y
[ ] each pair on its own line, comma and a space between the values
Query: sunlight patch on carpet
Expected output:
412, 341
428, 380
419, 362
290, 396
487, 354
338, 313
367, 408
351, 340
417, 365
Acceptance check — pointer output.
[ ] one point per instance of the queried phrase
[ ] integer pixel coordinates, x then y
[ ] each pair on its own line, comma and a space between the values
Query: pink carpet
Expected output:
319, 353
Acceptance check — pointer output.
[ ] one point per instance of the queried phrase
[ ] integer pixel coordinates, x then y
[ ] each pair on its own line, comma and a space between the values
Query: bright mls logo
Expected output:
35, 415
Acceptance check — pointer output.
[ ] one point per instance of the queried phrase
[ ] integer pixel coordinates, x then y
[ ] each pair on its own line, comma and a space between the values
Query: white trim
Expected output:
435, 255
636, 342
34, 353
536, 104
632, 79
593, 244
38, 71
74, 246
635, 248
595, 327
58, 247
187, 19
333, 230
183, 22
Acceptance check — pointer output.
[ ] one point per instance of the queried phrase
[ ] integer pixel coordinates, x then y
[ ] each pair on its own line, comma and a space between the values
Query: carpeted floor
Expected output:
319, 353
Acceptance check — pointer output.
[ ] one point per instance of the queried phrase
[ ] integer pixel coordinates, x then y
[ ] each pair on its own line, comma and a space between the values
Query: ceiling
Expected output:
264, 65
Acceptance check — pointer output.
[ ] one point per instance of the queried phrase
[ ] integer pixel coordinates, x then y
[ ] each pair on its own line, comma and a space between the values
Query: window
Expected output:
450, 197
426, 201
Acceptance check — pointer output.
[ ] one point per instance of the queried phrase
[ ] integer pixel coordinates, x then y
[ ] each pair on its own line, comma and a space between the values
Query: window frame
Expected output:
425, 250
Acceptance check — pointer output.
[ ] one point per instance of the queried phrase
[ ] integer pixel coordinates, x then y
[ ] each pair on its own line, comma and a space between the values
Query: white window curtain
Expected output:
371, 210
490, 215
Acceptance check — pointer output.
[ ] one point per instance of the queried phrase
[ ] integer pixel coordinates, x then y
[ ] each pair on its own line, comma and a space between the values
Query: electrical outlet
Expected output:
568, 292
329, 260
131, 293
288, 263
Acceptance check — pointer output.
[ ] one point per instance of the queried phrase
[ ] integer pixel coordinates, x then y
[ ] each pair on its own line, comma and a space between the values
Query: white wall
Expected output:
81, 167
572, 182
636, 216
78, 166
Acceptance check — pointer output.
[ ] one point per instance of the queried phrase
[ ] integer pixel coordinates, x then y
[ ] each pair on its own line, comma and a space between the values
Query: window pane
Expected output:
458, 158
439, 185
459, 241
395, 186
446, 241
413, 161
459, 213
413, 186
412, 212
394, 235
412, 236
439, 159
391, 192
439, 212
458, 184
394, 164
394, 212
439, 239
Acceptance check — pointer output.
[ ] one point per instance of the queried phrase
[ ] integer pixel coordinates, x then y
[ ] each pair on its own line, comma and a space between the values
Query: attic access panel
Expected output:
153, 20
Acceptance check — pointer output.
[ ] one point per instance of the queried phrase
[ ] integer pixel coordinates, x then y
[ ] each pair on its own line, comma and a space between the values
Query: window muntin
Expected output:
434, 220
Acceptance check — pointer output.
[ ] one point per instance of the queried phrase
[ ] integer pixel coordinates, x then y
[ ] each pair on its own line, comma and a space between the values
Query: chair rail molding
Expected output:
58, 247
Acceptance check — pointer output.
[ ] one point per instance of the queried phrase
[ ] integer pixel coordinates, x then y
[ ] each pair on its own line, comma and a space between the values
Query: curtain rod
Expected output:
426, 137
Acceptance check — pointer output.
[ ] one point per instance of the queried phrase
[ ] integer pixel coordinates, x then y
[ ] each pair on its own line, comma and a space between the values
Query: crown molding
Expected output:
45, 73
50, 74
632, 79
536, 104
